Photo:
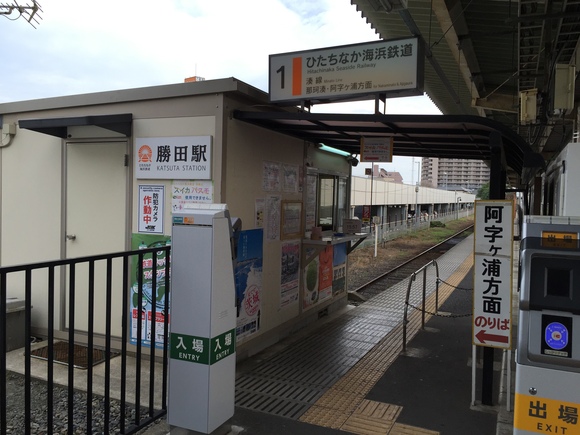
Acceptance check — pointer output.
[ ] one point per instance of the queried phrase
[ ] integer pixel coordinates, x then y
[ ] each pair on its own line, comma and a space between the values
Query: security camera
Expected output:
352, 160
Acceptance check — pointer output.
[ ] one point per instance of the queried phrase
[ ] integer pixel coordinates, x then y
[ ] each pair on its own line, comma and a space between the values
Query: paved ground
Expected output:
377, 390
426, 390
432, 381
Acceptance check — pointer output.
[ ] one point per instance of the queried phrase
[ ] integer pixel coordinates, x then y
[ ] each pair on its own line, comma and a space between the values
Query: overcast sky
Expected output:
83, 46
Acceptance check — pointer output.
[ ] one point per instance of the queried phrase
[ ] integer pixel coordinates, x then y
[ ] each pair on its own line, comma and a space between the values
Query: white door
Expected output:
96, 214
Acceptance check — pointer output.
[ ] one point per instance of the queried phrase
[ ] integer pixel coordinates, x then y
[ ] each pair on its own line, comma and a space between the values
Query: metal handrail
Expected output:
21, 276
424, 296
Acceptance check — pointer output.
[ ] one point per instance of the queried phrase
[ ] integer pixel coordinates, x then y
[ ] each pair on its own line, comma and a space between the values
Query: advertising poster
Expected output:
150, 296
325, 273
248, 281
339, 269
273, 213
310, 283
271, 175
190, 192
259, 213
290, 178
310, 206
290, 272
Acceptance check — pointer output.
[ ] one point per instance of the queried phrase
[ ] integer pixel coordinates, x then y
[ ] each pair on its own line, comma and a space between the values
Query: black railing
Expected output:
92, 288
423, 297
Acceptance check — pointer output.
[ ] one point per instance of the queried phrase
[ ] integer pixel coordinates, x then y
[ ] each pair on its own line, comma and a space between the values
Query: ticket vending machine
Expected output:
202, 319
548, 351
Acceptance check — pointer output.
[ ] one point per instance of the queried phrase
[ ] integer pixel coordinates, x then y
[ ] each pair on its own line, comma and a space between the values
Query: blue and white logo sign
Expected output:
556, 336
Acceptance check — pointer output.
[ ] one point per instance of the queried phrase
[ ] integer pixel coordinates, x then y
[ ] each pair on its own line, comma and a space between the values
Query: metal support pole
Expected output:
424, 298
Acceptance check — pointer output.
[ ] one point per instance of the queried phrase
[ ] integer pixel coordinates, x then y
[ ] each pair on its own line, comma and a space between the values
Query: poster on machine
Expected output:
151, 331
248, 281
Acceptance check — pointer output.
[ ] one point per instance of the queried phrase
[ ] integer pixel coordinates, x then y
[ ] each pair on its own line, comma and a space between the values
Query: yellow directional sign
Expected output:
559, 239
547, 416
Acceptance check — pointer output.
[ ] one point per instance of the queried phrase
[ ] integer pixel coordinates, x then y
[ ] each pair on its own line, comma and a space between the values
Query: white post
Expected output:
417, 213
473, 372
376, 238
509, 381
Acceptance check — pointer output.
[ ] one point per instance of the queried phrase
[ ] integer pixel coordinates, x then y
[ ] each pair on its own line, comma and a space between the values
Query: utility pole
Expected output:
417, 215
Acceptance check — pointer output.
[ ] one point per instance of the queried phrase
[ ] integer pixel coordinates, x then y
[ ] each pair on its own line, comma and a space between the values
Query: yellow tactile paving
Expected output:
343, 406
403, 429
382, 411
340, 400
363, 425
358, 385
326, 417
372, 418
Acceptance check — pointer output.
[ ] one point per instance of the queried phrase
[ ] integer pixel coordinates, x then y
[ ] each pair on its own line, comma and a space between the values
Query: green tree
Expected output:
483, 192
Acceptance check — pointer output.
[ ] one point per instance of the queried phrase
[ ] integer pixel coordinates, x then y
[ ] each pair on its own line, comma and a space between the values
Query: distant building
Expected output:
194, 79
392, 176
454, 174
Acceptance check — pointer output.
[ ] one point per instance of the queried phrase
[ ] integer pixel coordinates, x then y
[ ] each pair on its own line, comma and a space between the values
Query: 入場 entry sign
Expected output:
492, 273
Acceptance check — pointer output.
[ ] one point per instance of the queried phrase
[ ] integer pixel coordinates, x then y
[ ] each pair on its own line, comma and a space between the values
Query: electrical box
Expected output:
564, 85
202, 362
9, 129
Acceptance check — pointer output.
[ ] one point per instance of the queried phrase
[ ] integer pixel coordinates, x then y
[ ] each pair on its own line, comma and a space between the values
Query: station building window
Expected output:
332, 199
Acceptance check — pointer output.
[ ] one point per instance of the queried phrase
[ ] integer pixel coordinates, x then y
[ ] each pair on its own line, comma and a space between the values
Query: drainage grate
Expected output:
80, 354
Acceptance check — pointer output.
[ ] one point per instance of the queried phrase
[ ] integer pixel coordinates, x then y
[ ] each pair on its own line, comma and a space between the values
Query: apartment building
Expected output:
454, 174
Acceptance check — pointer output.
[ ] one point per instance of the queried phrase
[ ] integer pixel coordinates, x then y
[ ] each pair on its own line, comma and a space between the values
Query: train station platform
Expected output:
351, 374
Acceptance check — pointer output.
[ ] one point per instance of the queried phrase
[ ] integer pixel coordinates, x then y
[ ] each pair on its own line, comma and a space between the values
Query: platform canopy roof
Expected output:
481, 55
442, 136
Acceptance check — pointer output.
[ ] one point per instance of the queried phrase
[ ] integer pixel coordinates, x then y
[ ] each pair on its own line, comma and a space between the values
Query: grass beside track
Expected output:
364, 263
433, 235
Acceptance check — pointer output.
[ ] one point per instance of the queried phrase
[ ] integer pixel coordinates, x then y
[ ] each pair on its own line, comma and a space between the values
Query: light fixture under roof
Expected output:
333, 150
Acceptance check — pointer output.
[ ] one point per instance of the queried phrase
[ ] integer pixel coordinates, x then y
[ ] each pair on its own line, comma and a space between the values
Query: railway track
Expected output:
402, 271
